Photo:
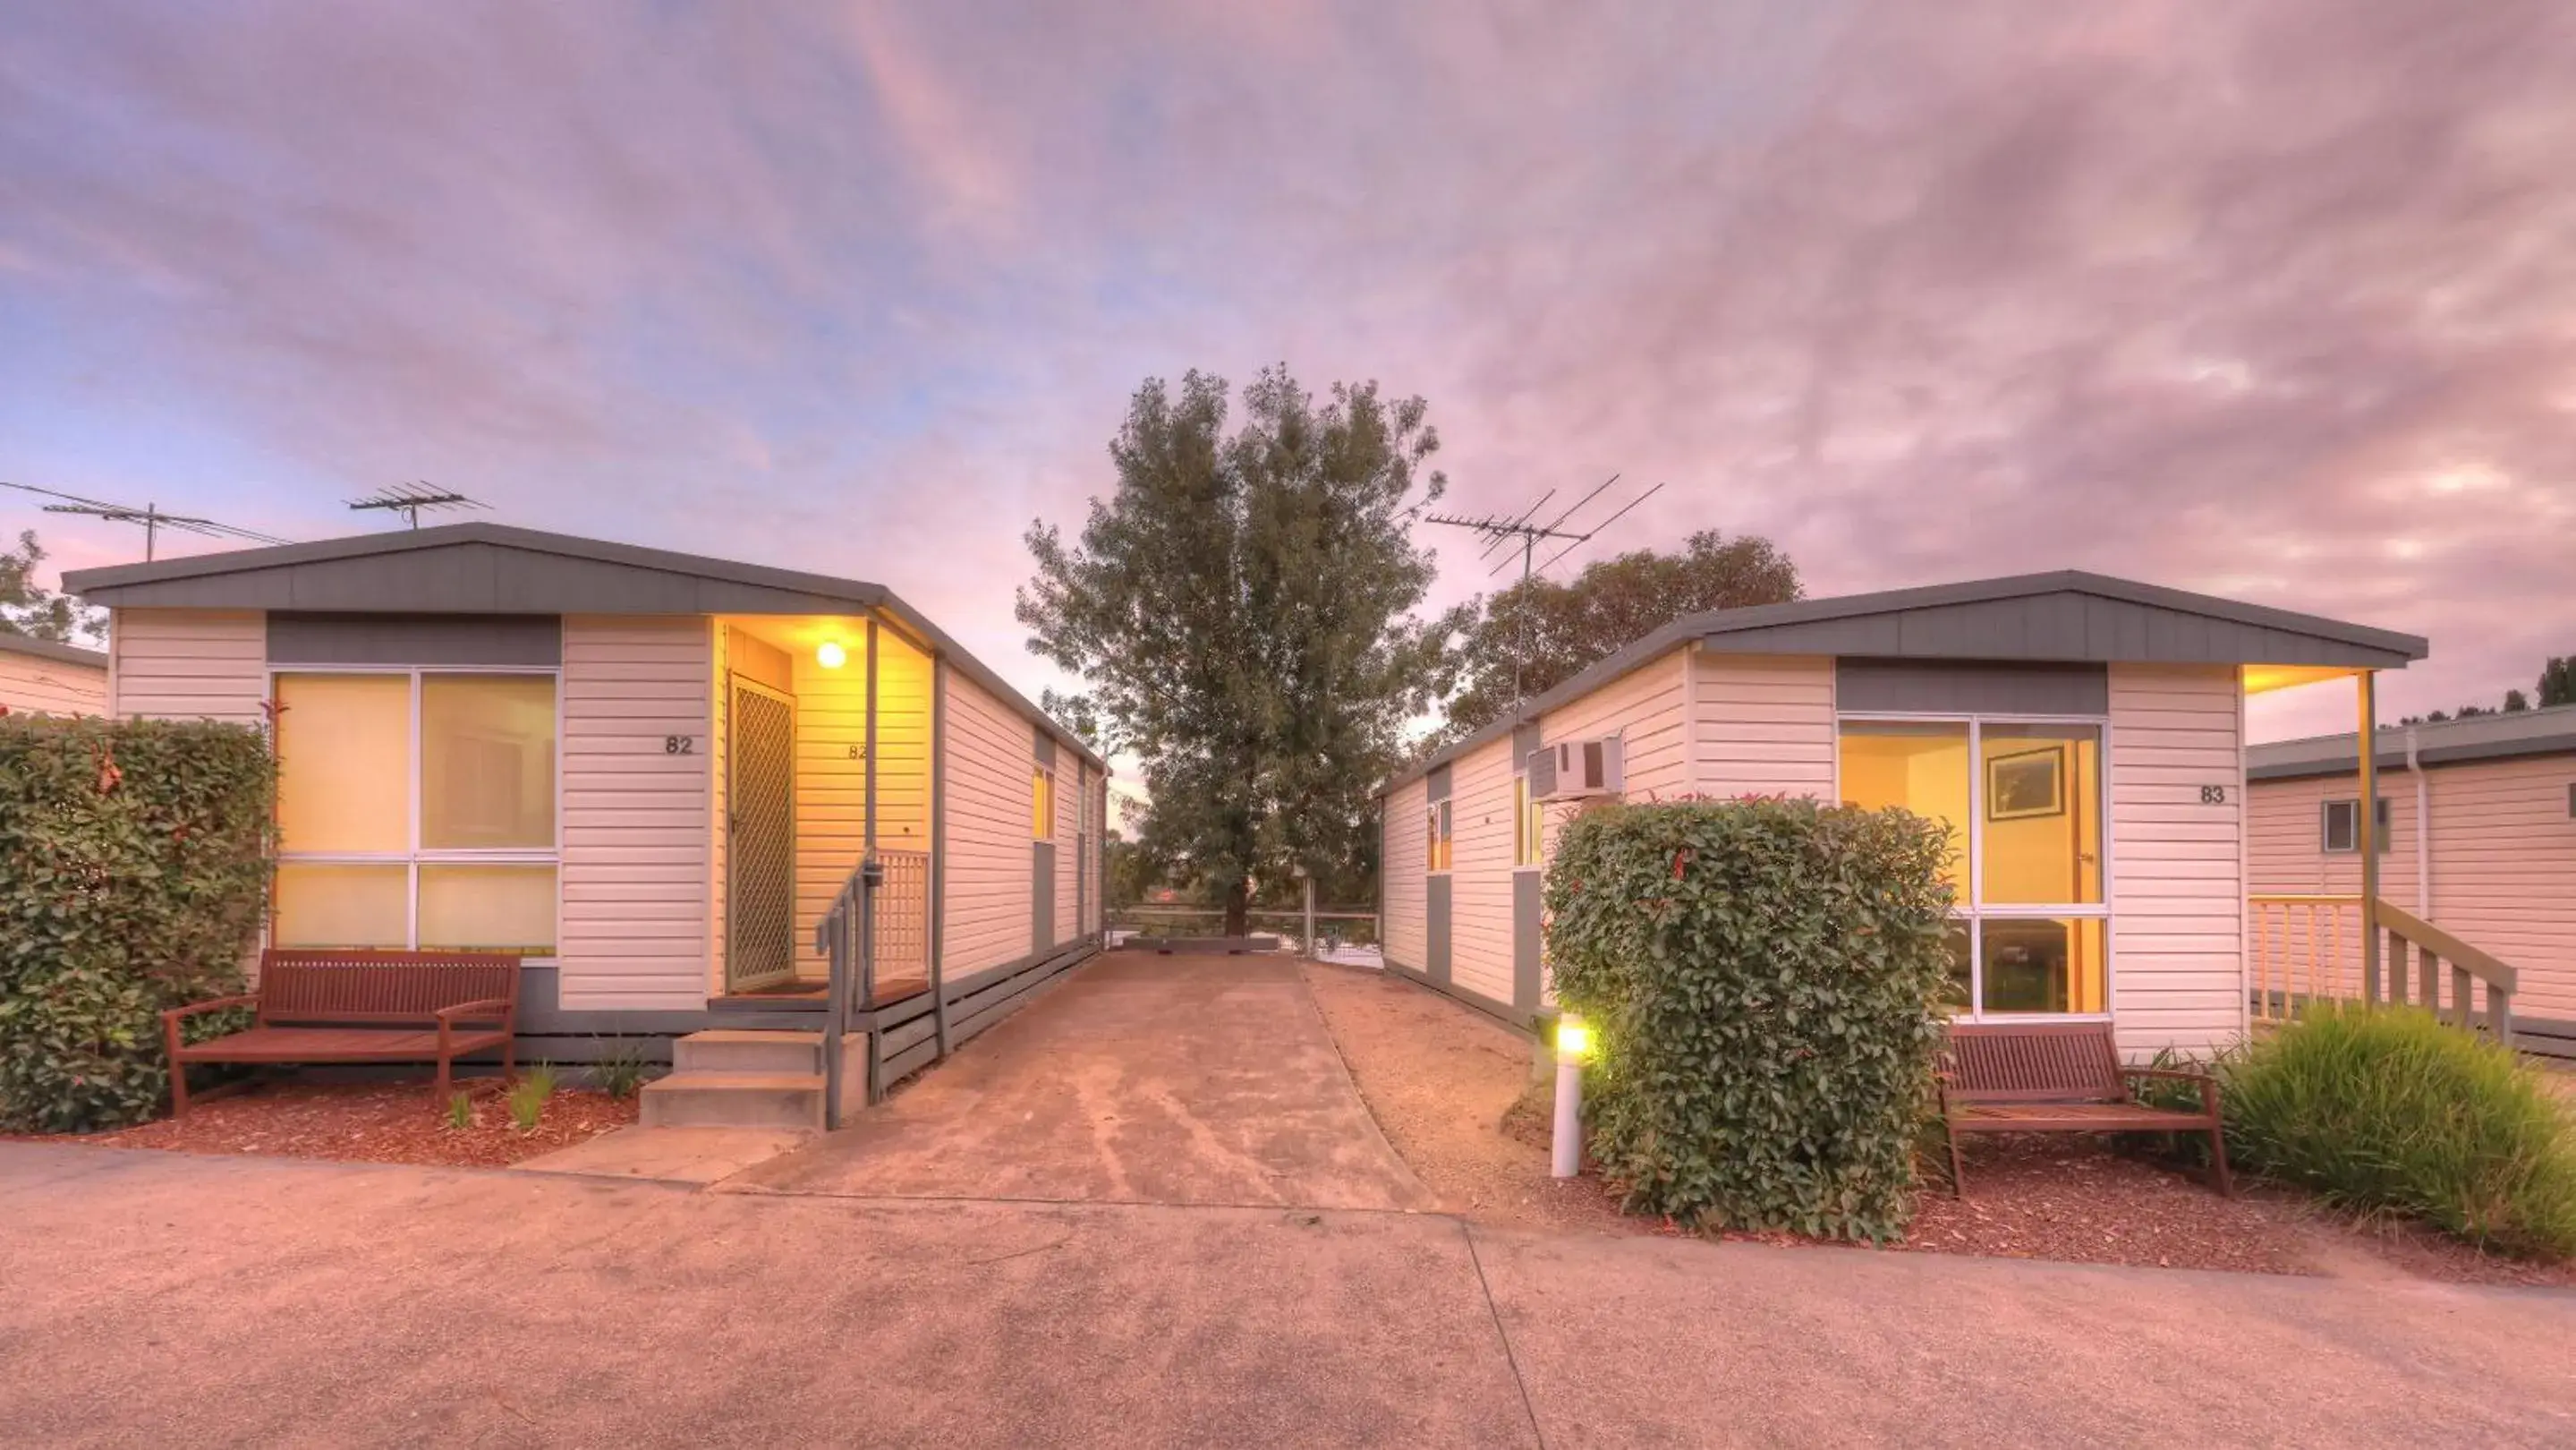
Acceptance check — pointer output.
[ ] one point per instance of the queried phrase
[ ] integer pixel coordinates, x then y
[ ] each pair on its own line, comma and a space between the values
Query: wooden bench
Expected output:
2060, 1077
360, 1006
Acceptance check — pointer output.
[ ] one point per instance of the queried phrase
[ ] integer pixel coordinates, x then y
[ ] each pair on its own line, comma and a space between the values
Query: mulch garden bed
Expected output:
372, 1123
1454, 1093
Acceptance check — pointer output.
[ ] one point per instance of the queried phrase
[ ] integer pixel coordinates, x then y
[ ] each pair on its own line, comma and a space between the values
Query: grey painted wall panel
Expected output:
1045, 749
1041, 895
1951, 687
1438, 783
1435, 934
1525, 738
415, 639
1526, 930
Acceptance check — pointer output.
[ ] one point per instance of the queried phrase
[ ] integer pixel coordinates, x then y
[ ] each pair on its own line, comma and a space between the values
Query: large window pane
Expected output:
342, 906
2043, 815
487, 776
344, 763
2043, 966
488, 908
1922, 767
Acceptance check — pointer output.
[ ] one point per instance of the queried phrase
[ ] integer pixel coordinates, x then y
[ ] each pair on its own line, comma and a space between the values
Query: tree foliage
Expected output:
1554, 631
1241, 610
2558, 681
28, 608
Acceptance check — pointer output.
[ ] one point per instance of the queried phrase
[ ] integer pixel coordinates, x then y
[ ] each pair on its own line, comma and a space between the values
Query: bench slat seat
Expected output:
2060, 1077
360, 1006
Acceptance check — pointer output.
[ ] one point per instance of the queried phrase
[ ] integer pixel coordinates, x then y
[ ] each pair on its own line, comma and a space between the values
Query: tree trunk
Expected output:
1236, 903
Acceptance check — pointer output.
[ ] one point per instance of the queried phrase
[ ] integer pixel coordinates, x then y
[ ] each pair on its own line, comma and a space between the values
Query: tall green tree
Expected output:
2558, 681
1539, 634
28, 608
1241, 608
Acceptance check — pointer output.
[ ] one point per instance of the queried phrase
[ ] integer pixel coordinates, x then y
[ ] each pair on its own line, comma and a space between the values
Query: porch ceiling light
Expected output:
830, 655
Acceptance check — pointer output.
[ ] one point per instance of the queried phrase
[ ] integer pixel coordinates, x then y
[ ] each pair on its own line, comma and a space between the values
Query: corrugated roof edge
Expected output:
99, 585
2549, 730
46, 649
1892, 601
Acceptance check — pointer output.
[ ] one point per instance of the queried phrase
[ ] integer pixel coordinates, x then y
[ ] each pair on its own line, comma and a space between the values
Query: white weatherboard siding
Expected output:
190, 664
1070, 786
2503, 855
1646, 710
985, 914
1480, 879
34, 685
831, 774
2177, 863
1761, 725
1402, 900
636, 830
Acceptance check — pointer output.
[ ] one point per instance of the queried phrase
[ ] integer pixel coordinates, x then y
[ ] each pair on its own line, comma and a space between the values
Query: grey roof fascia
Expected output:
691, 584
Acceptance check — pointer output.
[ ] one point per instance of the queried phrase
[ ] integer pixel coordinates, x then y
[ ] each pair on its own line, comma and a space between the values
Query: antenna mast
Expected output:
1498, 531
408, 499
149, 516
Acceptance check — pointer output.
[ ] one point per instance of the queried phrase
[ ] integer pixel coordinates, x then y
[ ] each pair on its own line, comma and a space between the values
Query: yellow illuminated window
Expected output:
487, 769
1922, 767
344, 763
1526, 823
1436, 827
1042, 805
481, 908
2024, 804
416, 809
323, 905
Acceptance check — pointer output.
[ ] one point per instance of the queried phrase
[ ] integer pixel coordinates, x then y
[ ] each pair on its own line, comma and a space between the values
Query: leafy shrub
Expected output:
1762, 978
2393, 1110
529, 1094
134, 863
620, 1069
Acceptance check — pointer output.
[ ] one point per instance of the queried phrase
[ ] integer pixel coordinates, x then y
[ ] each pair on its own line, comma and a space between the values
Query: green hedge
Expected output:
134, 859
1762, 977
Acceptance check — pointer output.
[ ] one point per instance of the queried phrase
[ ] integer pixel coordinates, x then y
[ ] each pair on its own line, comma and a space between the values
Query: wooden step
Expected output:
748, 1050
735, 1100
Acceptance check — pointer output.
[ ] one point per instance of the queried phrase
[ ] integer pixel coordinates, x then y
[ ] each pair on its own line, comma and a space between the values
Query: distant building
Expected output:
39, 677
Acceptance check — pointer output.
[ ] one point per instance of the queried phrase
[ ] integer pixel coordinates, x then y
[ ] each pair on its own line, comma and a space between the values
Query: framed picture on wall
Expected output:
2026, 783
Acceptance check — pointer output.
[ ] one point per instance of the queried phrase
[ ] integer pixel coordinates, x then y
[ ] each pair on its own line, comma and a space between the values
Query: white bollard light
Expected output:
1573, 1044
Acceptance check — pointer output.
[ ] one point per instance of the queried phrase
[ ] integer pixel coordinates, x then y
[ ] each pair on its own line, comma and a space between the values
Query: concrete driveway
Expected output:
154, 1298
1205, 1080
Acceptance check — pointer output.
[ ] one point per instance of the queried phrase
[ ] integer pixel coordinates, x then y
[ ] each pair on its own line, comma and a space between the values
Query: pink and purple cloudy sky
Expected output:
2275, 300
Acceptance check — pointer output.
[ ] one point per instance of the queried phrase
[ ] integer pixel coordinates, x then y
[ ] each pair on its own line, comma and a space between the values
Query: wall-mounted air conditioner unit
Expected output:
1576, 770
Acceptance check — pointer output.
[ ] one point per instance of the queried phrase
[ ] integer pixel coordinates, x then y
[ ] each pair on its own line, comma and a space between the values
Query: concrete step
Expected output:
734, 1049
734, 1100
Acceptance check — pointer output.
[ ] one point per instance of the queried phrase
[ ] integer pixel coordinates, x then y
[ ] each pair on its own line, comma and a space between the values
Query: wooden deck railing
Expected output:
2309, 949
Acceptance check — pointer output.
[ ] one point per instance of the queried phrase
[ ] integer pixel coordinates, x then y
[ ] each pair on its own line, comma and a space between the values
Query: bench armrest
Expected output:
174, 1014
492, 1007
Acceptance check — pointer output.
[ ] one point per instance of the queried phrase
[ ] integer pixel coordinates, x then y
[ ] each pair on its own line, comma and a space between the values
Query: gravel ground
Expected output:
1440, 1077
372, 1123
1447, 1085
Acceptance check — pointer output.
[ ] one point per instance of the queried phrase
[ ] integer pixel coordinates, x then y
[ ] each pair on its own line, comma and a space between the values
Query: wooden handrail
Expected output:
2412, 942
2425, 936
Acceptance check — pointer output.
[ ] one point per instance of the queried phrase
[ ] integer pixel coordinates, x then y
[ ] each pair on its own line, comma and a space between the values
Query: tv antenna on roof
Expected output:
149, 516
1499, 531
408, 499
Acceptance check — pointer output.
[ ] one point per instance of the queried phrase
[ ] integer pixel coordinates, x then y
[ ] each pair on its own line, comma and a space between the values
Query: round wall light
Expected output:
831, 656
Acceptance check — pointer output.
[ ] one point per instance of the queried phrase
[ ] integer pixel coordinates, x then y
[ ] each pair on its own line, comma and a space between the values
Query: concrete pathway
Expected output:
669, 1155
1141, 1079
161, 1298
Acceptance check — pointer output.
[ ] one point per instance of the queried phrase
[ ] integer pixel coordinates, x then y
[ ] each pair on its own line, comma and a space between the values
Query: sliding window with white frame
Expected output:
416, 808
2025, 802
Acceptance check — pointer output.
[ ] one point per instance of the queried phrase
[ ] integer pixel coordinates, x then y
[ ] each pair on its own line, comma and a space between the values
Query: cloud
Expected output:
2266, 300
